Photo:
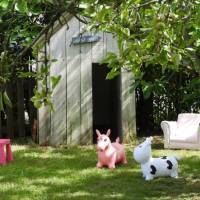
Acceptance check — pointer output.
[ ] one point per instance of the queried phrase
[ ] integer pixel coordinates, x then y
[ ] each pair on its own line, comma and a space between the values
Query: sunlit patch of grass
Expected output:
46, 173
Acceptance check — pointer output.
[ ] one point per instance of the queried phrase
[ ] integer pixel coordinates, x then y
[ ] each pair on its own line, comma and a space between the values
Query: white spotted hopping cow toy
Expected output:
154, 167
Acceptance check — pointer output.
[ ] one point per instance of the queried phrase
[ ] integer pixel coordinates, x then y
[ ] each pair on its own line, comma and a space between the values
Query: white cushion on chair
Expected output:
185, 134
191, 120
187, 127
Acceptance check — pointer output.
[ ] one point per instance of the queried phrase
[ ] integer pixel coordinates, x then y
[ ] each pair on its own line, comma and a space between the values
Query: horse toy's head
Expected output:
155, 167
142, 152
103, 140
109, 154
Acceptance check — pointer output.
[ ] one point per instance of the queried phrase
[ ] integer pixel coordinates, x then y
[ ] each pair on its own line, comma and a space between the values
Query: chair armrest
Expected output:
168, 128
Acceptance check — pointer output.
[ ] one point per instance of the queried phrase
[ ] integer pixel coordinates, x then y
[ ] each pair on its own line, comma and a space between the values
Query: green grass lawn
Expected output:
44, 173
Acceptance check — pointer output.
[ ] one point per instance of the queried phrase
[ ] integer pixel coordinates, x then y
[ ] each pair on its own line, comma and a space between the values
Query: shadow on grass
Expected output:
70, 173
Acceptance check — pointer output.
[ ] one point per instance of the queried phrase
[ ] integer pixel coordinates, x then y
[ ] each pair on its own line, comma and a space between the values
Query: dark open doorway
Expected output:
106, 102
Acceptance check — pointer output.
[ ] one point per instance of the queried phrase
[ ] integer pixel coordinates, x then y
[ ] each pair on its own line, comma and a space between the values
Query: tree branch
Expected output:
46, 28
81, 20
147, 3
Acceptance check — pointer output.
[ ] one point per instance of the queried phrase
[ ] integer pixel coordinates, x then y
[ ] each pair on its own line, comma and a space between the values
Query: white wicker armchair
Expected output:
183, 133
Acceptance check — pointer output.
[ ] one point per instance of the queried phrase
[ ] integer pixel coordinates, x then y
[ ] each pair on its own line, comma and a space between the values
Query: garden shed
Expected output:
83, 99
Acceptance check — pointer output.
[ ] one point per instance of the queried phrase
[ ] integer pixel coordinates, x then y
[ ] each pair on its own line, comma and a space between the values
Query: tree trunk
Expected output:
32, 112
0, 125
20, 108
9, 113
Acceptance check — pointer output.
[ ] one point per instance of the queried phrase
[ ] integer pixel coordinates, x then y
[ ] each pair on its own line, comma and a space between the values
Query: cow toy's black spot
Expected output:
153, 169
164, 157
170, 165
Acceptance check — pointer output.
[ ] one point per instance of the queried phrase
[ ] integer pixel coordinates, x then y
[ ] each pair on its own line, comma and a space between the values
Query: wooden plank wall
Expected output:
58, 118
86, 94
44, 113
128, 108
72, 122
73, 85
17, 121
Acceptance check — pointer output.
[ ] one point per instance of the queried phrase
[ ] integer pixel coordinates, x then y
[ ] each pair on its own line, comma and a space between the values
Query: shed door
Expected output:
106, 97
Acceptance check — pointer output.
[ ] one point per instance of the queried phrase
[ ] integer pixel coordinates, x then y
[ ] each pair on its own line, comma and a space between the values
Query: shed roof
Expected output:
56, 22
53, 28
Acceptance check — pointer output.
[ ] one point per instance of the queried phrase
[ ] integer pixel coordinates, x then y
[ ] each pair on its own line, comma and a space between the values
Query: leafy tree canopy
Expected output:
164, 33
161, 33
21, 22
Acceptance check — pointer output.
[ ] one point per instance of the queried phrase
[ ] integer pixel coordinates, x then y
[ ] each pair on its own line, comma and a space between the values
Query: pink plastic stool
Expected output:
4, 158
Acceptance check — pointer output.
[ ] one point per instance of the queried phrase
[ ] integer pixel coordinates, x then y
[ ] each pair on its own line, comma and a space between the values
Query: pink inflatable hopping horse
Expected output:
109, 153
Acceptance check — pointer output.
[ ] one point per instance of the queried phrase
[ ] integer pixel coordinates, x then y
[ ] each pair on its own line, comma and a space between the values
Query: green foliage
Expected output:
55, 80
192, 91
165, 34
42, 93
1, 102
21, 6
20, 22
42, 97
162, 34
4, 100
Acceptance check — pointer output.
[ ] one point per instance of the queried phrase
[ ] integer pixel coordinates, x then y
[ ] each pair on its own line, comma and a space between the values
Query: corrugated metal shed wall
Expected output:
71, 123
